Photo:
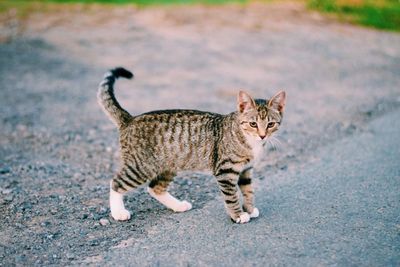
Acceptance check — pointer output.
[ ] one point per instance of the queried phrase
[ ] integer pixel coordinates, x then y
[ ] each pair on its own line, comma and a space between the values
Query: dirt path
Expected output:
342, 209
58, 150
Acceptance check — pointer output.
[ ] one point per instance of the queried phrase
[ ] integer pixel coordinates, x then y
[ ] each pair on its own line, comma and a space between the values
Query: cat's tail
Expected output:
107, 100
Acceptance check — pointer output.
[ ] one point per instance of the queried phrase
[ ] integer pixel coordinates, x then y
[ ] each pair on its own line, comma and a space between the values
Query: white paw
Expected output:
121, 215
255, 213
243, 218
182, 206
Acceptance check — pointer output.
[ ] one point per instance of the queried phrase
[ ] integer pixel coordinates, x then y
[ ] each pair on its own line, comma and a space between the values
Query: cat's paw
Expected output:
255, 213
243, 218
182, 206
121, 215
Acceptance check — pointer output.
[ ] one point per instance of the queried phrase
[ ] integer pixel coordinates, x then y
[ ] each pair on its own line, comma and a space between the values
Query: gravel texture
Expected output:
58, 150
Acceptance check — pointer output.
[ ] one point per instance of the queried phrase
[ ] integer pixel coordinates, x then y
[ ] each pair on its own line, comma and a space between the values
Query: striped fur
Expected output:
107, 99
156, 145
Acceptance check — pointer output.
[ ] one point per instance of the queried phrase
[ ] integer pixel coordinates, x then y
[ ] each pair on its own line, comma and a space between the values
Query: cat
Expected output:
154, 146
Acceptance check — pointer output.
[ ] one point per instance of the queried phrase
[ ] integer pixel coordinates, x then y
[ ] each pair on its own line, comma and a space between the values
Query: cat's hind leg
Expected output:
123, 182
117, 207
158, 190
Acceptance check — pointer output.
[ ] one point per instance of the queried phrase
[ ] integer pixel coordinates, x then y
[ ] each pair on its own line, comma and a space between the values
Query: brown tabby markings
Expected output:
158, 144
247, 190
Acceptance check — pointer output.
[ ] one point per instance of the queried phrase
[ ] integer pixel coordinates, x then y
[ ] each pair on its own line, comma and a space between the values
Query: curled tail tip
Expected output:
106, 97
122, 72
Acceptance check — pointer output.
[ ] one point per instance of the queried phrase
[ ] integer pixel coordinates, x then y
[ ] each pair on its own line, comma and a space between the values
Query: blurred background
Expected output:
328, 192
382, 14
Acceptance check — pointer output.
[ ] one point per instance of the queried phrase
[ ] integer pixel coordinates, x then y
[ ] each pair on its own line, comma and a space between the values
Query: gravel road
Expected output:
328, 194
341, 209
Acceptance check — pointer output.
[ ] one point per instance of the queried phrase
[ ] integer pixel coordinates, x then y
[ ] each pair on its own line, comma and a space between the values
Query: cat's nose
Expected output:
262, 136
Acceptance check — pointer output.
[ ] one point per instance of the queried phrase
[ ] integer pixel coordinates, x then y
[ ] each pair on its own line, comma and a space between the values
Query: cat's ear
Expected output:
278, 101
245, 102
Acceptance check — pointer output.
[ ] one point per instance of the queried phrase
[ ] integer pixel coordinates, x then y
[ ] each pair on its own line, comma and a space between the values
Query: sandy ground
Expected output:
58, 150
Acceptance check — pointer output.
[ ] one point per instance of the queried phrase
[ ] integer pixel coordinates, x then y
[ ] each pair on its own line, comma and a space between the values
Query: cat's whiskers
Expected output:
274, 142
278, 142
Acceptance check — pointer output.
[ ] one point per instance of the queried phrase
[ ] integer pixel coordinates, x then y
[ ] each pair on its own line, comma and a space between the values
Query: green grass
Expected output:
380, 14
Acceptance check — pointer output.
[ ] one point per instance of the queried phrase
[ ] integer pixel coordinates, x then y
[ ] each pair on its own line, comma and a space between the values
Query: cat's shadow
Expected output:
197, 188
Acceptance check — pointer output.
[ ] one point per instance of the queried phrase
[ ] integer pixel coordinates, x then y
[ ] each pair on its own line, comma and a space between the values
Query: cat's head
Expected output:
260, 118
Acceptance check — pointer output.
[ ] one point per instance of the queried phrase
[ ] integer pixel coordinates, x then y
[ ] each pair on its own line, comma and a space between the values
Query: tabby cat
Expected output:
158, 144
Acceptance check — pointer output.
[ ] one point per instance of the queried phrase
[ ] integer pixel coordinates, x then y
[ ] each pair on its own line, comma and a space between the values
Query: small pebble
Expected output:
53, 211
18, 225
9, 198
5, 170
103, 210
50, 236
6, 191
96, 216
46, 223
104, 221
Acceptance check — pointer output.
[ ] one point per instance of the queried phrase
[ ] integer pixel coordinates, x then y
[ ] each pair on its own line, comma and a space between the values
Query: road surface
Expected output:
328, 195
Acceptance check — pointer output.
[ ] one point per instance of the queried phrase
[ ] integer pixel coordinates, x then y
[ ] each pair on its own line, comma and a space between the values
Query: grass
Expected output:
380, 14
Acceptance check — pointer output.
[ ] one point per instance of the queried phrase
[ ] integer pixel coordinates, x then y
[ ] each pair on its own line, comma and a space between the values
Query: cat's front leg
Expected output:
247, 191
227, 180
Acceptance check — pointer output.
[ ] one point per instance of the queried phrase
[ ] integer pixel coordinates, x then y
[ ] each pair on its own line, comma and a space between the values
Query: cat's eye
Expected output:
253, 124
271, 124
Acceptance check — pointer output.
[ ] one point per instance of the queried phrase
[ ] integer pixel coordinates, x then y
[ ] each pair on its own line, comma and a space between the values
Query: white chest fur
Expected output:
257, 147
